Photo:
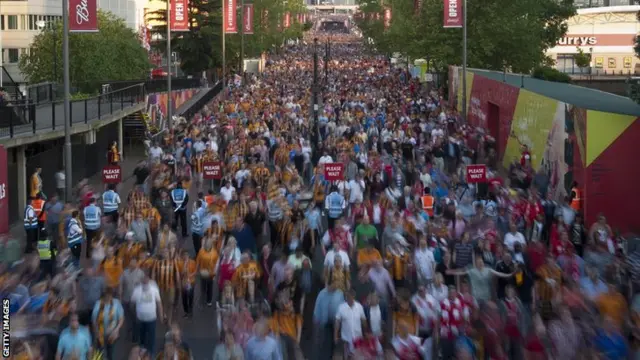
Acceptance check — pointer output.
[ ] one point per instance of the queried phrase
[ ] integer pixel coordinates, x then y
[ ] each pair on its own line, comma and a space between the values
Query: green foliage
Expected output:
550, 74
582, 60
200, 49
93, 57
502, 34
82, 96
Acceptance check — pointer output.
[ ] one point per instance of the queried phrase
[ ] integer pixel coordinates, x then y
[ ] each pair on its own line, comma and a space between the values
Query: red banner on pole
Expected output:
387, 18
83, 15
179, 15
212, 170
304, 18
230, 19
453, 14
248, 19
287, 20
417, 6
4, 192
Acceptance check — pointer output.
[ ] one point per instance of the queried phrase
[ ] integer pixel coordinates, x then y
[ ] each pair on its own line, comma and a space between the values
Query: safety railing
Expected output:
28, 118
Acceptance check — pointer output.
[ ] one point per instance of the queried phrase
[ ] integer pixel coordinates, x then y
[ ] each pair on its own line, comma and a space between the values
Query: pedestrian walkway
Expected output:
131, 159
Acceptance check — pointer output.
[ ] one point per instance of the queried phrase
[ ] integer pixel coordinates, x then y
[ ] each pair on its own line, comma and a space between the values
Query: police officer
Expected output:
180, 198
30, 227
47, 253
92, 221
74, 235
110, 203
335, 204
197, 225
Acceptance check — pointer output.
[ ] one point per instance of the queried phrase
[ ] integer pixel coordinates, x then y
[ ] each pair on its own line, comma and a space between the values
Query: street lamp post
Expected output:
315, 91
169, 112
241, 69
67, 103
464, 61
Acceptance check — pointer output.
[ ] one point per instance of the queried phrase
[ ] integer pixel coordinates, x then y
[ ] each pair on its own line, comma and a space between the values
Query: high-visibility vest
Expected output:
38, 207
576, 201
44, 249
335, 202
91, 217
178, 195
28, 222
74, 237
109, 201
427, 204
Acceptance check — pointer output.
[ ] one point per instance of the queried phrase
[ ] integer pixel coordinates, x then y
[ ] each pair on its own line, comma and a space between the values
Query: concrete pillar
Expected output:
23, 189
120, 139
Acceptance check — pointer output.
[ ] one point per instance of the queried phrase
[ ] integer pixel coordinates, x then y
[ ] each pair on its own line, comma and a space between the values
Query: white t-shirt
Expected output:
156, 152
146, 299
331, 256
511, 239
426, 262
350, 321
227, 193
356, 189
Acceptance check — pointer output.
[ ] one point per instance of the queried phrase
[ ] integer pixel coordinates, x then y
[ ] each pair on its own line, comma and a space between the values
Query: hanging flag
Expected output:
453, 14
247, 27
229, 17
287, 20
83, 16
179, 15
304, 18
387, 18
417, 6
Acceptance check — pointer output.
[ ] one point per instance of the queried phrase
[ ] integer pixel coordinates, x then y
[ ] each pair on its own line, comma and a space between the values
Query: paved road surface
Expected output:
92, 107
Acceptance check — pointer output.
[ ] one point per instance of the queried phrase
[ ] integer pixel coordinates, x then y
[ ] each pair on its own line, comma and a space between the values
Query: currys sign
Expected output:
212, 170
333, 171
112, 174
476, 174
83, 16
4, 192
453, 14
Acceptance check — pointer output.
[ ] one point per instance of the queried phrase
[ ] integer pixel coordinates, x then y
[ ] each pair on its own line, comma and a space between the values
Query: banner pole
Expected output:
68, 170
224, 55
464, 61
169, 115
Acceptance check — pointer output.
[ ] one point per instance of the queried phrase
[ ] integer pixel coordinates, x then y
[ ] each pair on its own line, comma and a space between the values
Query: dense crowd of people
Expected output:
398, 256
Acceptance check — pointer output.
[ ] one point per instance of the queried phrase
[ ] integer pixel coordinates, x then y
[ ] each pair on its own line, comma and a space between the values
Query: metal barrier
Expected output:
29, 118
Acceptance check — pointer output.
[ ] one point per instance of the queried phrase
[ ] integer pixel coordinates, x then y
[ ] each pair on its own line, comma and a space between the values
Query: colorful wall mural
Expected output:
157, 105
568, 143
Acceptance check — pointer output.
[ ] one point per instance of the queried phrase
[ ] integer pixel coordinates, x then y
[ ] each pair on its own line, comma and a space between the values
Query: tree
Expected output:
581, 59
200, 49
508, 35
112, 53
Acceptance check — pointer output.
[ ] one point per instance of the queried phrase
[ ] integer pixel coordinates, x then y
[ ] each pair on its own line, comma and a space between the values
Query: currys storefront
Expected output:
607, 34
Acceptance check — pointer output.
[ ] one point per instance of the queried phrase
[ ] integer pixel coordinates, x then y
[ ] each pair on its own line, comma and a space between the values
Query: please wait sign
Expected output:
333, 171
476, 174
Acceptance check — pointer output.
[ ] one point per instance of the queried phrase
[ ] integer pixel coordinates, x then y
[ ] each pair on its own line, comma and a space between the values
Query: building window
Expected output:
12, 22
14, 55
23, 22
1, 22
32, 22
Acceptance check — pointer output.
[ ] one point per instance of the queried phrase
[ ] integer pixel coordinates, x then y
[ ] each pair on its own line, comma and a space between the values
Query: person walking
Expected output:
148, 305
180, 199
30, 227
111, 202
92, 221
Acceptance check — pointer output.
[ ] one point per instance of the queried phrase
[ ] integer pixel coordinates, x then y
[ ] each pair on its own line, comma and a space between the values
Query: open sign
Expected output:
212, 170
476, 174
334, 171
112, 174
